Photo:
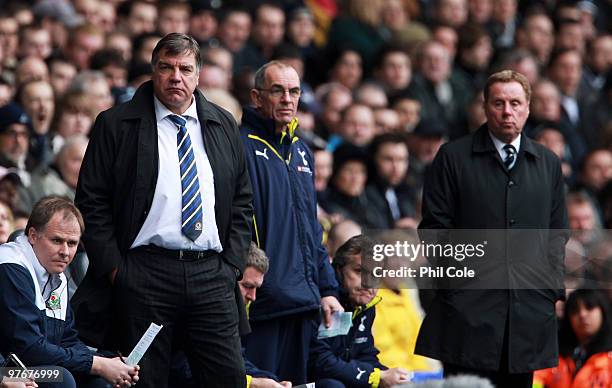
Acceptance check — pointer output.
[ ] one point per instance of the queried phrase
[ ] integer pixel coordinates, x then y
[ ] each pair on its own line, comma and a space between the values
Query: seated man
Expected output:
256, 267
37, 322
351, 360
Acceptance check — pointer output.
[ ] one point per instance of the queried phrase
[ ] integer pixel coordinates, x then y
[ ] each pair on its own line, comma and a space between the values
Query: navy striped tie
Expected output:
191, 214
510, 159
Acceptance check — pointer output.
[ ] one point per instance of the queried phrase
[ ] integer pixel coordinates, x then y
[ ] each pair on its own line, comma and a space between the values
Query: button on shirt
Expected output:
499, 146
162, 227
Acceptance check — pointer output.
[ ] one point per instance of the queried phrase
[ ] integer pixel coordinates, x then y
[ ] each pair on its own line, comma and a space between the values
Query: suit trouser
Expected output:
195, 302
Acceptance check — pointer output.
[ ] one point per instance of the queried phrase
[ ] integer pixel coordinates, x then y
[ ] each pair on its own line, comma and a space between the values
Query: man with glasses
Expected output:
15, 140
300, 279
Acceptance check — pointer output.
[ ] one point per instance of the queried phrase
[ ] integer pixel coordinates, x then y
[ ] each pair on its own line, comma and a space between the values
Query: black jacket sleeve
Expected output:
239, 238
94, 198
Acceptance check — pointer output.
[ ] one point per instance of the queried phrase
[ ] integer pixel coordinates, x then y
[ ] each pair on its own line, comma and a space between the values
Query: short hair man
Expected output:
268, 30
83, 42
203, 21
453, 13
15, 127
257, 265
38, 324
390, 200
36, 41
443, 96
38, 101
166, 197
234, 29
535, 34
393, 69
351, 360
141, 17
173, 17
596, 170
357, 126
61, 74
584, 221
285, 226
61, 177
31, 69
513, 183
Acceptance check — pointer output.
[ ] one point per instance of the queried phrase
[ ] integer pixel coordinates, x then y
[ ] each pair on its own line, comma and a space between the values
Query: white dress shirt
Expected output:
162, 227
570, 105
499, 145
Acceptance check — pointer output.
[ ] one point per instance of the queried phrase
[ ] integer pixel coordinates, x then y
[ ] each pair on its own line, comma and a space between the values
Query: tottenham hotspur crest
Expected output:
303, 154
305, 167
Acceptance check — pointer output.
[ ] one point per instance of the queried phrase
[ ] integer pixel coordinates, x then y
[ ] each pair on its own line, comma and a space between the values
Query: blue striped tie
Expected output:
191, 214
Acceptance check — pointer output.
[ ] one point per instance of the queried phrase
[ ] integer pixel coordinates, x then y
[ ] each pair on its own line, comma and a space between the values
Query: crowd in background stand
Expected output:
385, 84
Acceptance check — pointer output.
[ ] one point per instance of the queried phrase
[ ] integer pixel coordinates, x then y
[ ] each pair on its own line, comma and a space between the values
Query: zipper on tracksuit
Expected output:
292, 184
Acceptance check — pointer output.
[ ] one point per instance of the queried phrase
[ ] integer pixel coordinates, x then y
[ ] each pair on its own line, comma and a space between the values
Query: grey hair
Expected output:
81, 82
257, 259
74, 140
260, 74
175, 44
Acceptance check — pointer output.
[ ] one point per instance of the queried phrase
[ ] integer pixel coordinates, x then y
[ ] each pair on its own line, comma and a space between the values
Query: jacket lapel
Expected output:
142, 109
482, 143
211, 138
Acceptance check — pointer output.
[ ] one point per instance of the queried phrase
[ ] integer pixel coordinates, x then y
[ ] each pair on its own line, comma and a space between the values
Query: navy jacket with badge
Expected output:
285, 223
39, 332
349, 358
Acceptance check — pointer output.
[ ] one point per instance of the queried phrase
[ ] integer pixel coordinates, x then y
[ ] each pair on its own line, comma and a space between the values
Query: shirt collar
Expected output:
161, 112
499, 145
41, 273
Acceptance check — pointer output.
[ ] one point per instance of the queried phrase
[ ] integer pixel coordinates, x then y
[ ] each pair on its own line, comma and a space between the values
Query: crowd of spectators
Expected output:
384, 84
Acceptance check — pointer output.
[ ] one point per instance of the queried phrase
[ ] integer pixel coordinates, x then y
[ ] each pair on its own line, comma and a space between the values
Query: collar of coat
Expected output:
482, 143
142, 105
266, 126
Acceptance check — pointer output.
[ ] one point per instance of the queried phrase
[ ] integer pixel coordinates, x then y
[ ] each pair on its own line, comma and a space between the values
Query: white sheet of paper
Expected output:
340, 325
142, 345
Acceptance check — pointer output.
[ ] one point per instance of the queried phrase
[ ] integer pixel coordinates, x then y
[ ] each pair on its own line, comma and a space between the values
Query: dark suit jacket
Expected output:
452, 115
468, 187
379, 213
116, 186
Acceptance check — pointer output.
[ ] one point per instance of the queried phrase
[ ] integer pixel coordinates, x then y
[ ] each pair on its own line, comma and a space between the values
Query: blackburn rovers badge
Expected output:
53, 303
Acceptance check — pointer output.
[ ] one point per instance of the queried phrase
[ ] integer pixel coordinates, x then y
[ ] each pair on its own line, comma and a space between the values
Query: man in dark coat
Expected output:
148, 258
498, 179
390, 200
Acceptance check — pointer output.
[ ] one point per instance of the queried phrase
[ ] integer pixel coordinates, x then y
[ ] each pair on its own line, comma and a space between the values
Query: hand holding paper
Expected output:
341, 323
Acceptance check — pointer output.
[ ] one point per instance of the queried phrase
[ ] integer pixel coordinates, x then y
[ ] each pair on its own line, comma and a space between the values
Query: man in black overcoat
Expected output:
509, 190
166, 197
